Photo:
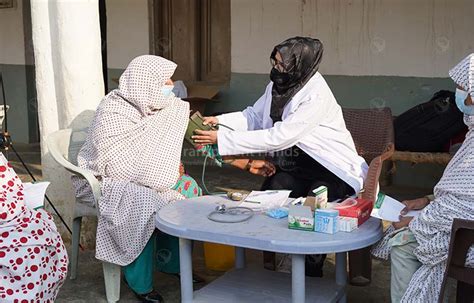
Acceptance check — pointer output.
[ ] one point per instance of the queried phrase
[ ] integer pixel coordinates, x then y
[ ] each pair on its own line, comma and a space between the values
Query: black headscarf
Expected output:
301, 57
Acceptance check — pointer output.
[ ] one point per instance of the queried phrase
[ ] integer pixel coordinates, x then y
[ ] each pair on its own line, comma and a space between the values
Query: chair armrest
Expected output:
389, 150
75, 170
371, 184
464, 224
462, 238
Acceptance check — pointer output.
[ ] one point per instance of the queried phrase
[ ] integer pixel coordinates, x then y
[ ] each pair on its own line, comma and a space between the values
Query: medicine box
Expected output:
326, 221
300, 217
321, 197
347, 224
359, 209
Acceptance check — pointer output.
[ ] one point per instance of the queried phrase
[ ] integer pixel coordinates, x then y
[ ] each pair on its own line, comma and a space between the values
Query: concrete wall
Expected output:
127, 31
422, 38
18, 74
11, 35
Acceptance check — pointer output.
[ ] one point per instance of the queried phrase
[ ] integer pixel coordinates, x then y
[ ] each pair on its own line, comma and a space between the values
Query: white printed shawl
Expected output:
454, 198
134, 146
33, 259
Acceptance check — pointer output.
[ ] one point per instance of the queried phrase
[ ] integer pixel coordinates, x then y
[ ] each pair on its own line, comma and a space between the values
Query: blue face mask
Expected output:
167, 90
461, 97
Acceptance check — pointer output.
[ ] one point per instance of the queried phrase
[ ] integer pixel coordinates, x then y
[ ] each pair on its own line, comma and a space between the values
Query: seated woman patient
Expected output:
419, 246
300, 124
134, 147
33, 259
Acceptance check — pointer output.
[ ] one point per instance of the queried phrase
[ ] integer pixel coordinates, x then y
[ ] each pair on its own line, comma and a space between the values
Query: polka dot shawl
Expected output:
134, 146
463, 74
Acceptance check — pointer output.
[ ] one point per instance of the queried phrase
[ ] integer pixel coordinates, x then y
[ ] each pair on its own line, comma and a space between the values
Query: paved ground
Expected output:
89, 285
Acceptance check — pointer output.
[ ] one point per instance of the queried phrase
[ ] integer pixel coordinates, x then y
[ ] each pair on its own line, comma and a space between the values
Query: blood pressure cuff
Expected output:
195, 122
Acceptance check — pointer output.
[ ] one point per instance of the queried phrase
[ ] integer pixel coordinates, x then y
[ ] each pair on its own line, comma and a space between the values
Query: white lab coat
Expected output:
312, 120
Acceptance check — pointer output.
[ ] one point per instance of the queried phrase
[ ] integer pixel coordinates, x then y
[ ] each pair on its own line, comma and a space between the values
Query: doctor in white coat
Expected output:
299, 123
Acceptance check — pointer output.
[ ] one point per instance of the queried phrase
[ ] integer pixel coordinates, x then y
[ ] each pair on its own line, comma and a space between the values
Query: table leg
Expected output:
298, 279
341, 273
239, 257
186, 270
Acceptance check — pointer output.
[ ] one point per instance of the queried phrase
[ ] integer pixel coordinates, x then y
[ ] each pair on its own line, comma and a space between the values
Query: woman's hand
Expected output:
404, 221
210, 120
205, 137
415, 204
262, 168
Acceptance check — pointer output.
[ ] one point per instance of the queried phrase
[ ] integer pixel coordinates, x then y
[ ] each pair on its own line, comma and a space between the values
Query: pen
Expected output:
265, 193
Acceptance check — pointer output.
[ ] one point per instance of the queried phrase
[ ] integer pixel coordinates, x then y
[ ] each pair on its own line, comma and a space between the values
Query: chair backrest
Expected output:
64, 145
462, 239
371, 129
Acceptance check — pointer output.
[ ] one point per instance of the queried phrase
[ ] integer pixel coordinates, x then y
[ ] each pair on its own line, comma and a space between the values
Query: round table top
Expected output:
188, 219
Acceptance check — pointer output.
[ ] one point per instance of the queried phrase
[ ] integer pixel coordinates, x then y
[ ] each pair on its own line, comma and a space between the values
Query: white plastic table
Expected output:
187, 219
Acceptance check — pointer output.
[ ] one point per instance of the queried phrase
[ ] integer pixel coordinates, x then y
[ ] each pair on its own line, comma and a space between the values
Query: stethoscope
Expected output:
235, 214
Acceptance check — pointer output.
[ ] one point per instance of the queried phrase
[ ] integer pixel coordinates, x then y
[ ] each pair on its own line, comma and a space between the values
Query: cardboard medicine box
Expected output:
300, 217
359, 209
347, 224
326, 221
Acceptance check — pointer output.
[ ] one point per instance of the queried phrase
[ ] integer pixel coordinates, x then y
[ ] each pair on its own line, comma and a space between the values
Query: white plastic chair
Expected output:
64, 146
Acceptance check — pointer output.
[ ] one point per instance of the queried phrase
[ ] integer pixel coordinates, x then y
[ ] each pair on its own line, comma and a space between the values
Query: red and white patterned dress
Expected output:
33, 259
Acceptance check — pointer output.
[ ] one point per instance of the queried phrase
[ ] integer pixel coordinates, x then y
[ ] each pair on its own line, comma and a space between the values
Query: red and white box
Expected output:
359, 209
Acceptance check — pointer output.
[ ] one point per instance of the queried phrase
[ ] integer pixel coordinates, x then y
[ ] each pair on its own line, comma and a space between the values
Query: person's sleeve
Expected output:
249, 119
235, 120
281, 136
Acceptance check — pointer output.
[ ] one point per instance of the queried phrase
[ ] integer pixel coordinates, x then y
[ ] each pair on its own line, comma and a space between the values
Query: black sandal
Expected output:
151, 297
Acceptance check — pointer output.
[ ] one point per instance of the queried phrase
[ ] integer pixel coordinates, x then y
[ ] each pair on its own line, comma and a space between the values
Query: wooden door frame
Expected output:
201, 68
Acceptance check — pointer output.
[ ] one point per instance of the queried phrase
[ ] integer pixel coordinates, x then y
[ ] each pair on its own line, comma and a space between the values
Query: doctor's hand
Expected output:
210, 120
205, 137
262, 168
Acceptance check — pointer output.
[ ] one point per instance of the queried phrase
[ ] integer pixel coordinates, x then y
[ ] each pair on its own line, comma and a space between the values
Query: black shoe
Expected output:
313, 265
151, 297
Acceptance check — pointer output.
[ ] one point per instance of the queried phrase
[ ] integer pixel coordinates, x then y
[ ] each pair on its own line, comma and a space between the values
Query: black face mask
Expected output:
301, 56
279, 78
